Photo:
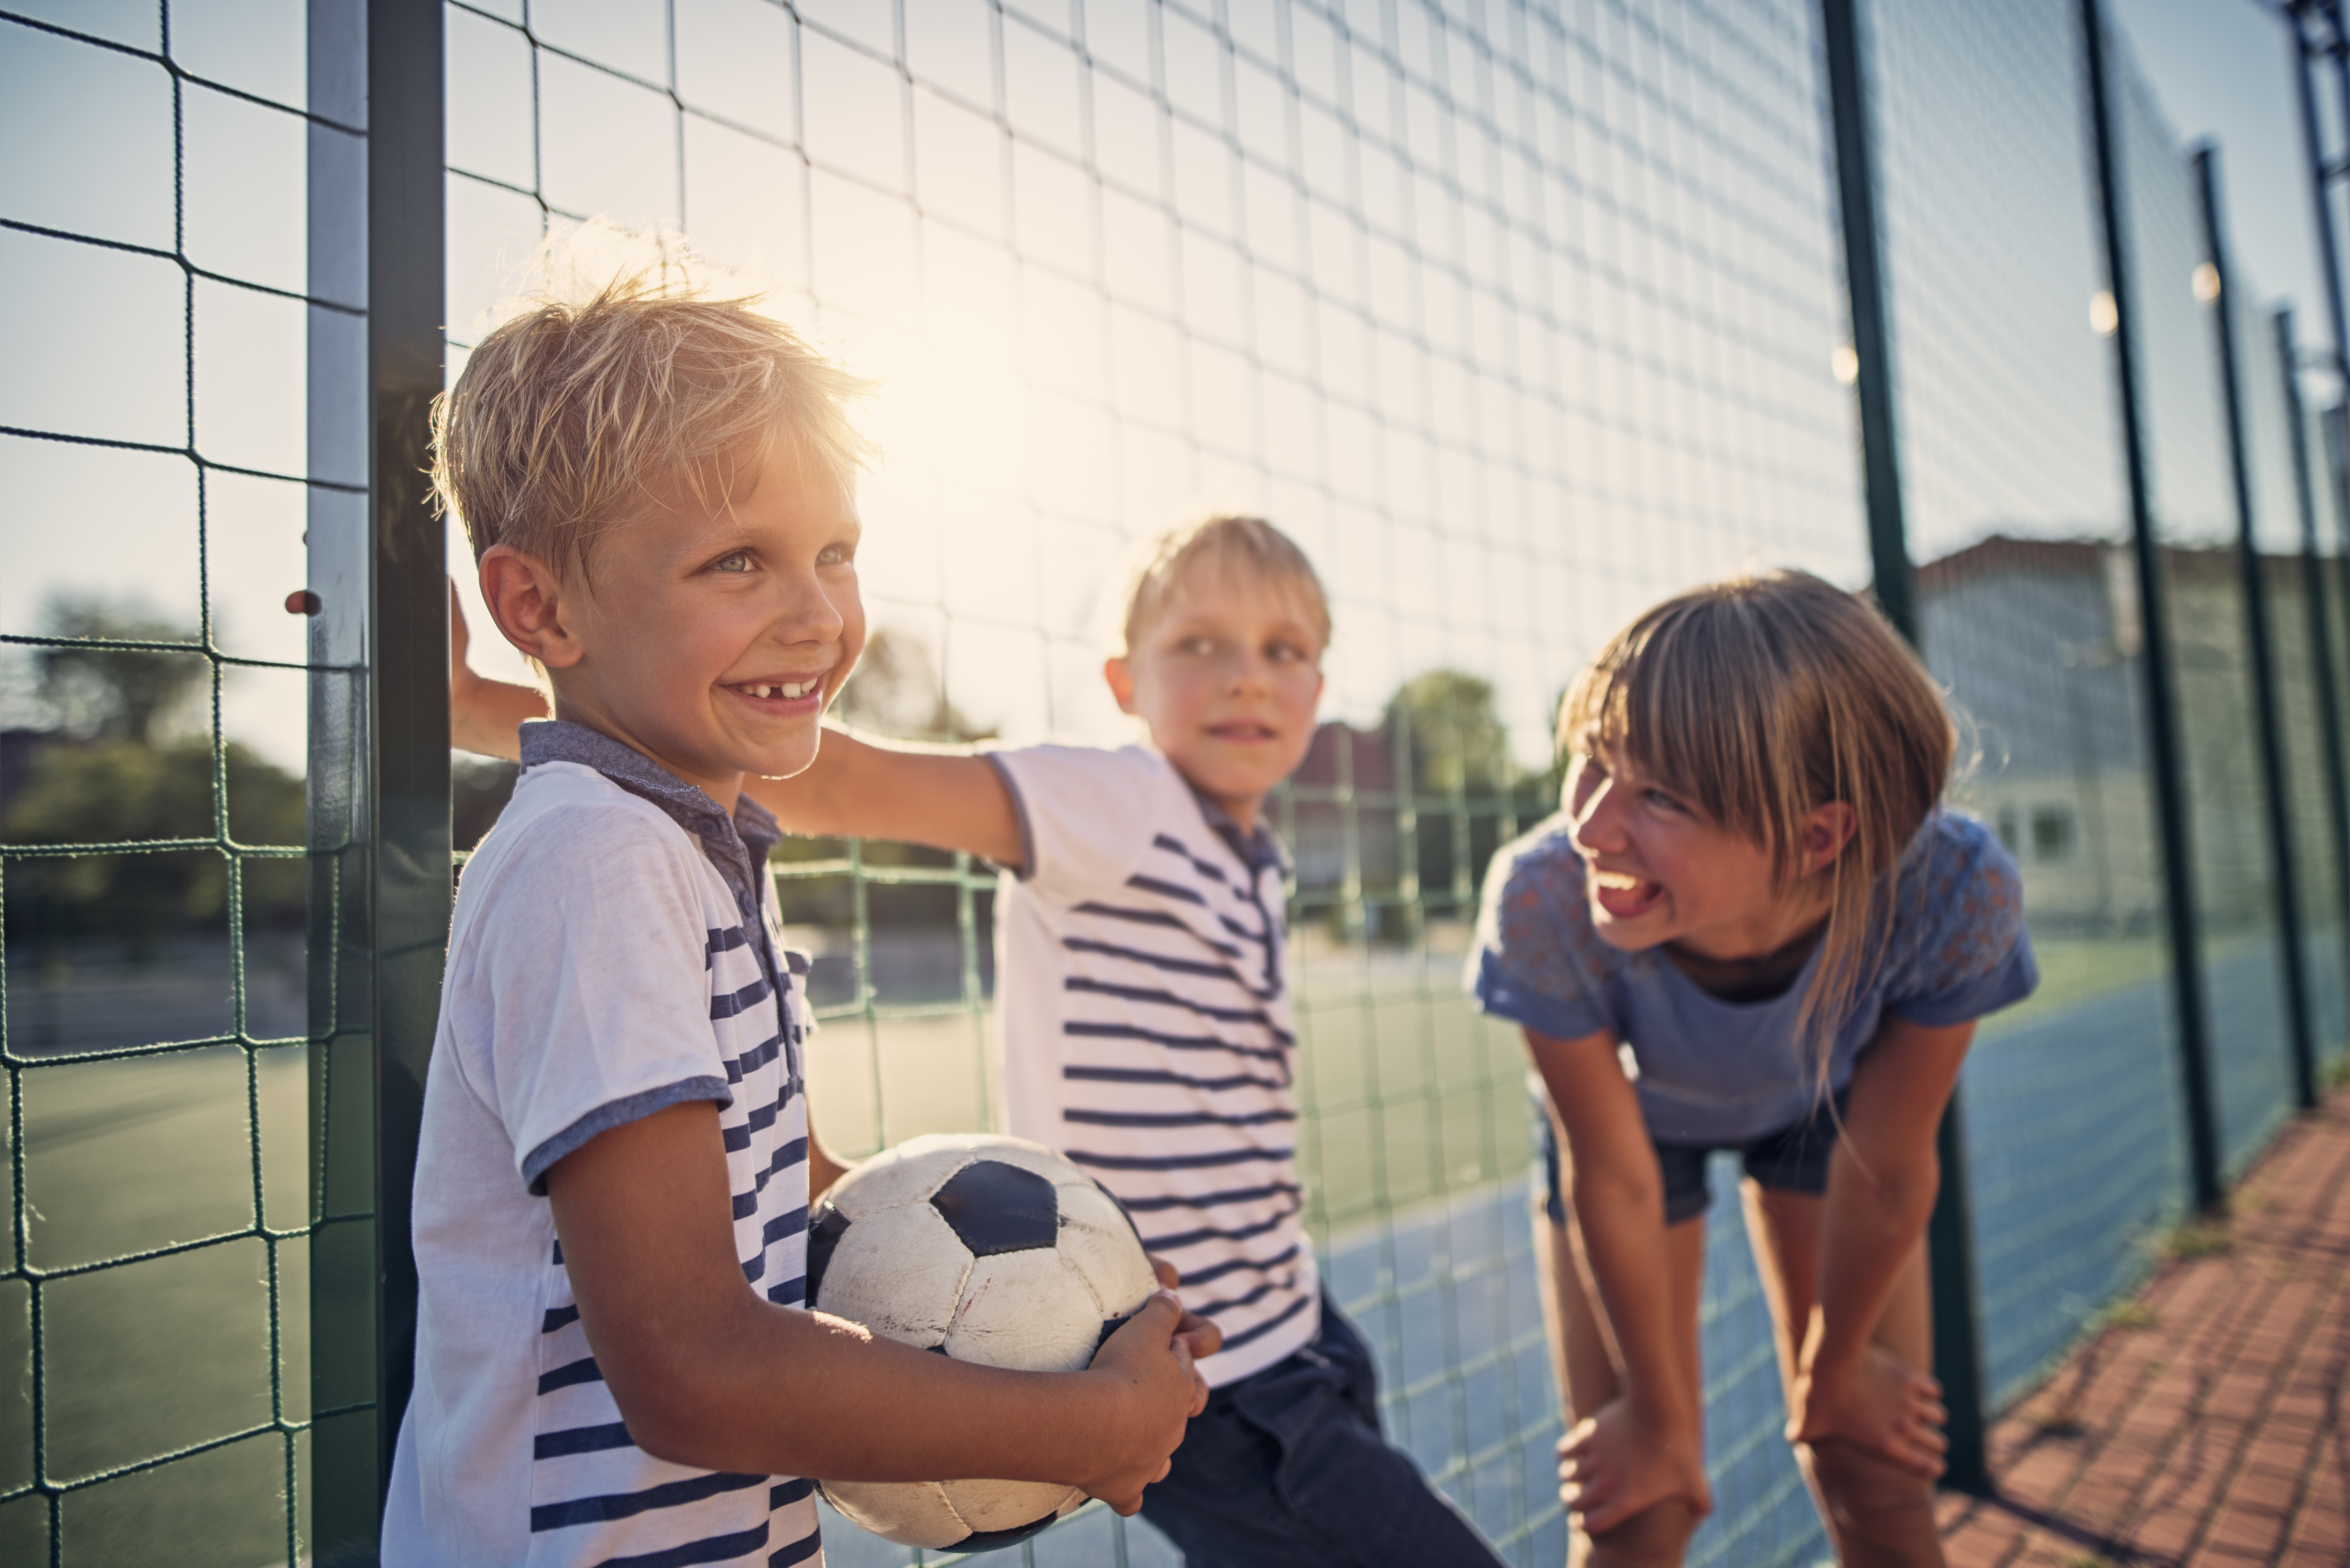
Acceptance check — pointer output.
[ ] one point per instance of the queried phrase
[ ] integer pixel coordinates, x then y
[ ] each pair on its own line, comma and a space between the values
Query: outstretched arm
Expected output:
1647, 1445
944, 796
1882, 1180
485, 715
708, 1373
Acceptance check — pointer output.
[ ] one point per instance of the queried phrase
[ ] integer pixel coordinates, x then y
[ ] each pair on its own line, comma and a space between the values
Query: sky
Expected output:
2223, 71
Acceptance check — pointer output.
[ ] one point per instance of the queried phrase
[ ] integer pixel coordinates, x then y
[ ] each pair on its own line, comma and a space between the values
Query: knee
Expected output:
1655, 1537
1882, 1512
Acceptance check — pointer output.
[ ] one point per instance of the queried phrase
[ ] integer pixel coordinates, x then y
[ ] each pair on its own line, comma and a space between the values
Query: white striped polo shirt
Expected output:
1145, 1029
613, 951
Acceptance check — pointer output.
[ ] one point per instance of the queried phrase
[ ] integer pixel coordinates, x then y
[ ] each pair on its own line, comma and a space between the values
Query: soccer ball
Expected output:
989, 1250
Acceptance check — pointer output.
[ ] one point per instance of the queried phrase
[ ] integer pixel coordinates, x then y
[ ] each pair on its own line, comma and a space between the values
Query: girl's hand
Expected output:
1622, 1460
1881, 1404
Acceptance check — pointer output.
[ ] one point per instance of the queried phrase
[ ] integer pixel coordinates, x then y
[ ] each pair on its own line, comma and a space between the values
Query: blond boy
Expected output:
613, 1359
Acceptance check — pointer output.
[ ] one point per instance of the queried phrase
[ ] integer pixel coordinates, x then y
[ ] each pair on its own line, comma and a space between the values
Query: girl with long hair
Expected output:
1753, 927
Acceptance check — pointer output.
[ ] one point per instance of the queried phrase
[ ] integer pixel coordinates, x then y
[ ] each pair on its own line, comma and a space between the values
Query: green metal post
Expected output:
2168, 769
2321, 634
2268, 720
1958, 1332
380, 738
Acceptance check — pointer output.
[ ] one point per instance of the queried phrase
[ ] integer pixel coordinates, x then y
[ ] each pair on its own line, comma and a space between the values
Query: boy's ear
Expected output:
1121, 676
526, 598
1824, 833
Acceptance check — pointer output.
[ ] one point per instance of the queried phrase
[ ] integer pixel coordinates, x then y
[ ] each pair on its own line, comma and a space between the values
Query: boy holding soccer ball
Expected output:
1146, 1011
613, 1362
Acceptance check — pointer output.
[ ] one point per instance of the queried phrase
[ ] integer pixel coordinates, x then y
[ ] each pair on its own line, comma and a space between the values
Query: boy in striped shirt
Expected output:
1144, 1013
614, 1362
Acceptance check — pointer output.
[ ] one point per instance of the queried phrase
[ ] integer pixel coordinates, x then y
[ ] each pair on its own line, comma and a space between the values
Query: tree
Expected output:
896, 693
114, 693
116, 775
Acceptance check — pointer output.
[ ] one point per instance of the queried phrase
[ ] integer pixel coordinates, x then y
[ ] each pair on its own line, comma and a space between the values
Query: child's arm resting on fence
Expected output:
944, 796
706, 1373
485, 715
1881, 1185
1646, 1445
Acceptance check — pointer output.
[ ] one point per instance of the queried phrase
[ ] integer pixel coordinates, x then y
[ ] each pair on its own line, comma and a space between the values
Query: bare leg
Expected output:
1878, 1514
1586, 1364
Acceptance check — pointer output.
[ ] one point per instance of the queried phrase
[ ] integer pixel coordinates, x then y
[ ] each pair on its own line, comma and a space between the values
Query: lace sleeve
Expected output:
1537, 961
1962, 949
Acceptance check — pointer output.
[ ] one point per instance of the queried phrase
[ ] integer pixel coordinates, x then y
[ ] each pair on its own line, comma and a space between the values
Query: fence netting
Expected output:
153, 1017
1518, 315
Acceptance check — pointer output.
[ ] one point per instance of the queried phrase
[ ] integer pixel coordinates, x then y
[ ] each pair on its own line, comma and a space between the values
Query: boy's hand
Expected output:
1204, 1337
1623, 1459
1159, 1393
1881, 1404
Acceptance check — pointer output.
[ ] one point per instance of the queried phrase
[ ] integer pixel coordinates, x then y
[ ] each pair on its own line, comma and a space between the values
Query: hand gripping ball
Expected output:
988, 1250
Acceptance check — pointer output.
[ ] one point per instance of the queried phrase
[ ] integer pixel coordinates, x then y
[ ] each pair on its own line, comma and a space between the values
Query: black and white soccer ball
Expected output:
988, 1250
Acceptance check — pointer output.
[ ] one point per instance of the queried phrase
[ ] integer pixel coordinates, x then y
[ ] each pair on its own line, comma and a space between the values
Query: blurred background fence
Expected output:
1519, 315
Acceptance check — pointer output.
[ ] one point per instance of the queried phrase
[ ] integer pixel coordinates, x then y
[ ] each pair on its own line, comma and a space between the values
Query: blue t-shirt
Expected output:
1721, 1073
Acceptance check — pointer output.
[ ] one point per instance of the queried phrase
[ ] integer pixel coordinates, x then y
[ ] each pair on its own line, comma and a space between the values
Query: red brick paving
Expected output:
2214, 1436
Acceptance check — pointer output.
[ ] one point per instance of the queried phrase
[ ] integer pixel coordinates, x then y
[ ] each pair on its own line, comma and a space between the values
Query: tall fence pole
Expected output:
2321, 631
2168, 769
1958, 1331
2323, 173
2269, 720
408, 645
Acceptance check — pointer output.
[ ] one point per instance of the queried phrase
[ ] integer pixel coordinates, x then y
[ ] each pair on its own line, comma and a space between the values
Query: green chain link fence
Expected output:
1518, 315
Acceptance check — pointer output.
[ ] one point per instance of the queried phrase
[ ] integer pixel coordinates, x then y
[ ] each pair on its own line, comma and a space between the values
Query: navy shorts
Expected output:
1286, 1468
1793, 1159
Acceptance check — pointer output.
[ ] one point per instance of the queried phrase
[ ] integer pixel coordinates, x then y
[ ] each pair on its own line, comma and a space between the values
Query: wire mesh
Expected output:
2012, 484
152, 1004
1519, 316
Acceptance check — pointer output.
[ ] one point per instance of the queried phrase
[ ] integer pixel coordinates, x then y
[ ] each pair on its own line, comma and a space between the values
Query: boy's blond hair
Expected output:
577, 411
1241, 547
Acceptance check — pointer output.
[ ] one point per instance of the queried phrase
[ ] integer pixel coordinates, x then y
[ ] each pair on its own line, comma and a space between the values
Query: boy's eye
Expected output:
732, 561
833, 556
1657, 797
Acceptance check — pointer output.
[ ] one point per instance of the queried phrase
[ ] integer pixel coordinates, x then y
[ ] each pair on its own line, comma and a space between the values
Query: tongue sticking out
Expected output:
1624, 897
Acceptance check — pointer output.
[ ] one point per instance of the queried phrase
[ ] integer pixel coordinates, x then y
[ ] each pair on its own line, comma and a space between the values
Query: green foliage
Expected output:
112, 693
112, 791
1457, 742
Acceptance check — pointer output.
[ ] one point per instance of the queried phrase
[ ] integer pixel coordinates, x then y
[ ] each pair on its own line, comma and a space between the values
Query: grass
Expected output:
2126, 1315
2196, 1239
146, 1358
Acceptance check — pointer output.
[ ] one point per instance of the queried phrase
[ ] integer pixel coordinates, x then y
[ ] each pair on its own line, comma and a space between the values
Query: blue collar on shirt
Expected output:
1258, 849
738, 845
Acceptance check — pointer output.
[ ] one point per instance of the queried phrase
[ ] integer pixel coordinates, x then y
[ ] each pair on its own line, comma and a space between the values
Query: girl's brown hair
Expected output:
1760, 700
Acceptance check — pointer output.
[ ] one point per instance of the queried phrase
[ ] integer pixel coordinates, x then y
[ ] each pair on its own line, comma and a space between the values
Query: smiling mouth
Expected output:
779, 691
1623, 895
1243, 731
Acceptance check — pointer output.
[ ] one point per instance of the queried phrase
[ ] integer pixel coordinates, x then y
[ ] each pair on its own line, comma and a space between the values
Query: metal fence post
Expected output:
2168, 764
1958, 1331
2322, 176
2265, 711
2321, 633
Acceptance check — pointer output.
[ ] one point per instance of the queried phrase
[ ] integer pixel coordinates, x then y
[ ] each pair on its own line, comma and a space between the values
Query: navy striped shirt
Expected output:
614, 951
1146, 1029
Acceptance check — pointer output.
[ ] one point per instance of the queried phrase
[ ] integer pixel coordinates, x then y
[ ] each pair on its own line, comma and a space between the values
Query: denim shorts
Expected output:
1793, 1159
1286, 1468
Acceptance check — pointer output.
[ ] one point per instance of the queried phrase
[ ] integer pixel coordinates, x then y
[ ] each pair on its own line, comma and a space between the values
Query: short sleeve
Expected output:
1535, 961
1961, 948
1086, 815
588, 981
